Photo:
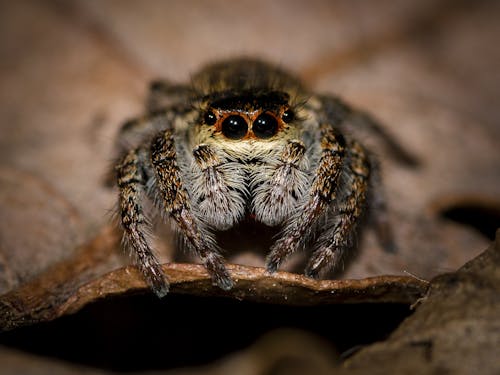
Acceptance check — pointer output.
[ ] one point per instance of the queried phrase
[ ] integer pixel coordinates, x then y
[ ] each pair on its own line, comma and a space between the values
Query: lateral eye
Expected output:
265, 126
288, 116
210, 118
234, 127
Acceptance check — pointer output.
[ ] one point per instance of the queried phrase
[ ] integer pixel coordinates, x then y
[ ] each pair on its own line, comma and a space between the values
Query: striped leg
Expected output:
322, 193
136, 227
176, 204
337, 237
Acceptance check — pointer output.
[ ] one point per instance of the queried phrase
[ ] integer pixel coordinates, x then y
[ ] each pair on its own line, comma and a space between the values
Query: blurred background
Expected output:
72, 71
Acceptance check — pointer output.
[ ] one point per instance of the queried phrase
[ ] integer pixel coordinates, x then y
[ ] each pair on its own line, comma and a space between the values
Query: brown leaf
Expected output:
71, 72
69, 285
455, 329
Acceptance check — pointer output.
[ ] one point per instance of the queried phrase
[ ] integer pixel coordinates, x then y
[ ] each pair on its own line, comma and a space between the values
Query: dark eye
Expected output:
210, 118
265, 126
234, 127
288, 116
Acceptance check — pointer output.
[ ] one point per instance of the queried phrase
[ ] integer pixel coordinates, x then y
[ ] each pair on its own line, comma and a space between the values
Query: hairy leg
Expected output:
134, 132
349, 120
322, 193
377, 208
337, 235
131, 183
177, 205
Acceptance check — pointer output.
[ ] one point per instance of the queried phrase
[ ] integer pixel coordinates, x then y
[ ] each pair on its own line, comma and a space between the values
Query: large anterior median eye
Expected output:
234, 127
265, 126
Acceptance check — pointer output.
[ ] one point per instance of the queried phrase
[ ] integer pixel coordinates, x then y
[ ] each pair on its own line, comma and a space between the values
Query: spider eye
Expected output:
210, 118
234, 127
288, 116
265, 126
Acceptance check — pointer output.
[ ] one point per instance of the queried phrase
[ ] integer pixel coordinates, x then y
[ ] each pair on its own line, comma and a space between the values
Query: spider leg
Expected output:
163, 93
136, 227
338, 235
334, 108
377, 208
322, 193
134, 132
177, 205
342, 113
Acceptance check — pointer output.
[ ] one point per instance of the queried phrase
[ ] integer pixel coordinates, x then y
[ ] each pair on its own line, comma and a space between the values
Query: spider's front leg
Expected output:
351, 119
177, 205
131, 183
337, 235
322, 193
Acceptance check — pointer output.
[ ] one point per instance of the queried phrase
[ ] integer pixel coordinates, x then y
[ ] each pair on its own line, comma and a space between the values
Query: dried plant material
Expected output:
30, 240
71, 72
71, 284
455, 329
281, 352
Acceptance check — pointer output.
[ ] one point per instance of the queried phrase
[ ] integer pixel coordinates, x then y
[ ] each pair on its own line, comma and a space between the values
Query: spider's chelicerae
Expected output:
246, 141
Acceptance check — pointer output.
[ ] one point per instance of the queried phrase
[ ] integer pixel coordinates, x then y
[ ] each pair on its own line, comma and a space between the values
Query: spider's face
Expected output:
250, 115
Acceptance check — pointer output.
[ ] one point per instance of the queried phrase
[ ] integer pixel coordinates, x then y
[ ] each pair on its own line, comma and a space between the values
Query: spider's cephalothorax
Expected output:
246, 140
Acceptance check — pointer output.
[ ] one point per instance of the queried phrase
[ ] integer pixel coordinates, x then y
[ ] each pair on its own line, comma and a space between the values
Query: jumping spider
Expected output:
247, 140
